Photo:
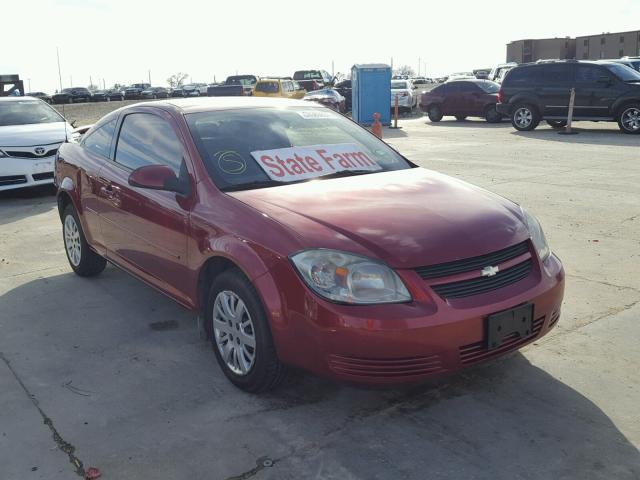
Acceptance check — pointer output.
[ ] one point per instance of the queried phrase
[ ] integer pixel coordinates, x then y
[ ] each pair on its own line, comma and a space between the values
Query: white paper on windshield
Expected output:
316, 114
301, 163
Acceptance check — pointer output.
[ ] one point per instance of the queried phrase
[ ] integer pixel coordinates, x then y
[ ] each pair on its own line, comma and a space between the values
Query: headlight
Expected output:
347, 278
537, 235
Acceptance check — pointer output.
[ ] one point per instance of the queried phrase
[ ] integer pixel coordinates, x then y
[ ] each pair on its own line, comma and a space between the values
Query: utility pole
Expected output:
59, 74
71, 80
333, 70
392, 65
29, 80
149, 77
90, 81
419, 65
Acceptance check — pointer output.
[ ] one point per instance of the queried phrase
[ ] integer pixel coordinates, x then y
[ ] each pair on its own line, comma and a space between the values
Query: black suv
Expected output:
72, 95
605, 91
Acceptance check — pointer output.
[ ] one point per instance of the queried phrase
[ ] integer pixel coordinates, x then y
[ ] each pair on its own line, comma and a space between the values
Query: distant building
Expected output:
590, 47
530, 50
608, 45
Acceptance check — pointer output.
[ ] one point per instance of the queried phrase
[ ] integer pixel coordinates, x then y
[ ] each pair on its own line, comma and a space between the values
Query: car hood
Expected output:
406, 218
34, 134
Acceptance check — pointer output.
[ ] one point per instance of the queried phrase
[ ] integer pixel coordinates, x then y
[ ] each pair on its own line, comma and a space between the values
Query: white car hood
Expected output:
34, 134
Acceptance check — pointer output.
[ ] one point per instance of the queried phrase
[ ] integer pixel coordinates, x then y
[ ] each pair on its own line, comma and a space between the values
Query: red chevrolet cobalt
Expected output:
302, 240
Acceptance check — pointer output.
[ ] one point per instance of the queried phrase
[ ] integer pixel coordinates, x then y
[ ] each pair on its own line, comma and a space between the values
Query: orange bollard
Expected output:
376, 128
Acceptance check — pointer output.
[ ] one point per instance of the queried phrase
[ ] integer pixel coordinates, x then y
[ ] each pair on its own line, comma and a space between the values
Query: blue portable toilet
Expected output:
371, 92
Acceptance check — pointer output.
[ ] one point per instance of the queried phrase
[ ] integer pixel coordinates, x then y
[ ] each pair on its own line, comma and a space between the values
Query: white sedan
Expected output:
30, 133
406, 94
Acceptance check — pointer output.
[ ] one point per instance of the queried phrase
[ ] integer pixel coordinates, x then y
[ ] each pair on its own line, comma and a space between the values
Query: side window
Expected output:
557, 74
147, 139
589, 73
99, 140
466, 87
285, 87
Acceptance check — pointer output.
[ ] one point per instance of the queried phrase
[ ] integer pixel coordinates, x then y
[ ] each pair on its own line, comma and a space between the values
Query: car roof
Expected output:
17, 99
206, 104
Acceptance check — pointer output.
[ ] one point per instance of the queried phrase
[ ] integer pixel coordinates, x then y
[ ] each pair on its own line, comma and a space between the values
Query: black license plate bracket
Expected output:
504, 324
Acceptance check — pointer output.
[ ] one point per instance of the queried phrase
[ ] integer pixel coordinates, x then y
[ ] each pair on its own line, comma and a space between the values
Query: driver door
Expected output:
146, 230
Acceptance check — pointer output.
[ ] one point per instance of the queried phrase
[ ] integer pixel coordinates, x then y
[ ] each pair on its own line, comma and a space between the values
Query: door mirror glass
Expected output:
156, 177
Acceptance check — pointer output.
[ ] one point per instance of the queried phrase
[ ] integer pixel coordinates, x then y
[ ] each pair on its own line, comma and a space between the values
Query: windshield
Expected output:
624, 73
399, 85
307, 75
244, 81
23, 112
267, 87
285, 146
489, 87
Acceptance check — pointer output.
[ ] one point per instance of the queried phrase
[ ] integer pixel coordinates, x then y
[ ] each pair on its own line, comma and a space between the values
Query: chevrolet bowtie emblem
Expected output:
489, 271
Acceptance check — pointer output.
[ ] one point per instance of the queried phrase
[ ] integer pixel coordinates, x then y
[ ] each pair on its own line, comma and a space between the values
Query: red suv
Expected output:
462, 99
301, 239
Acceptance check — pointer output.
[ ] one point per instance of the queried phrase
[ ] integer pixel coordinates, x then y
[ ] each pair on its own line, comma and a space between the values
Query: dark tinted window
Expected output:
467, 87
489, 87
522, 76
555, 74
267, 87
99, 140
589, 73
146, 139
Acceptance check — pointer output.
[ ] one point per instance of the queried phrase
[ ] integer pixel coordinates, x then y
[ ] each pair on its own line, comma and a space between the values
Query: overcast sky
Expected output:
120, 41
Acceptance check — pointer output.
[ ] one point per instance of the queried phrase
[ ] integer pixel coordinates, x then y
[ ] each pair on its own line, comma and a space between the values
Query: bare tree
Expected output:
405, 70
177, 79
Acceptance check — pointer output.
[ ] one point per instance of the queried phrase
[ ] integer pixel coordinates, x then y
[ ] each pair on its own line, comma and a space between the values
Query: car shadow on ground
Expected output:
40, 199
468, 123
591, 136
156, 397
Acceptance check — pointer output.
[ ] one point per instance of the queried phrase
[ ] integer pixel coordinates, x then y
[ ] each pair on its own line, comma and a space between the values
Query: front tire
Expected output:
629, 119
84, 261
557, 124
240, 334
434, 113
525, 117
491, 115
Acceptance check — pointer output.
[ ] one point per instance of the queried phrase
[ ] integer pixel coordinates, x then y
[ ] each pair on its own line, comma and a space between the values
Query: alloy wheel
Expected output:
72, 240
234, 333
523, 117
631, 119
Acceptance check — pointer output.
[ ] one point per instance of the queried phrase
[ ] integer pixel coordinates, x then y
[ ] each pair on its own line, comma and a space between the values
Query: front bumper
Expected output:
405, 343
25, 172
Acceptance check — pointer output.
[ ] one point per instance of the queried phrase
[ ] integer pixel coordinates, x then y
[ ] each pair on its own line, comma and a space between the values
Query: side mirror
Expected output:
156, 177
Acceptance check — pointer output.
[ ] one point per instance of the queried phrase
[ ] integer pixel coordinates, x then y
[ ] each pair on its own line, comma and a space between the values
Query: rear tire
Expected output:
525, 117
84, 261
254, 368
491, 115
434, 113
629, 119
557, 124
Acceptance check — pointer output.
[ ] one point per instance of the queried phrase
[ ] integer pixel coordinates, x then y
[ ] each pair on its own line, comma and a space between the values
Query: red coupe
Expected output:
303, 240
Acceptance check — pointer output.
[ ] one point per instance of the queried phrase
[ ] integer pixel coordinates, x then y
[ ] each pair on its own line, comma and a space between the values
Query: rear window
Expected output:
399, 85
522, 76
267, 87
489, 87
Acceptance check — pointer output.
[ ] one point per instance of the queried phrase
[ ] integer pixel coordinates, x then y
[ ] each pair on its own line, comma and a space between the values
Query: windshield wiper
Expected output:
253, 185
346, 173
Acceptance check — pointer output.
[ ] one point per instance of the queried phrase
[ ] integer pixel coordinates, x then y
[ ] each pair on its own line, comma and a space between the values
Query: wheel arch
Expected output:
65, 195
622, 104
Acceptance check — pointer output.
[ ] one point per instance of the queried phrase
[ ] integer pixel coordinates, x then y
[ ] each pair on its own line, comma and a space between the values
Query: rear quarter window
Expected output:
267, 87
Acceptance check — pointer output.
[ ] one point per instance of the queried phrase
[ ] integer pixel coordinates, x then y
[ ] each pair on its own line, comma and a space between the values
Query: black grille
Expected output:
12, 180
475, 286
16, 154
474, 263
42, 176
